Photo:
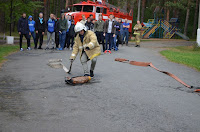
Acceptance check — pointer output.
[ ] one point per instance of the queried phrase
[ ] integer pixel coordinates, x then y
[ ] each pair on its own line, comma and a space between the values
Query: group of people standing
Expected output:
61, 34
112, 31
90, 33
59, 31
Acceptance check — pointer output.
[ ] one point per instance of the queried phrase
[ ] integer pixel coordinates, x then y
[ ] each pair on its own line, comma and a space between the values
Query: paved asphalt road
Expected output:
121, 97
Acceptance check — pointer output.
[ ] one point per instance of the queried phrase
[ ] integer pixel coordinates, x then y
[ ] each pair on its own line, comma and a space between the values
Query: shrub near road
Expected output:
187, 55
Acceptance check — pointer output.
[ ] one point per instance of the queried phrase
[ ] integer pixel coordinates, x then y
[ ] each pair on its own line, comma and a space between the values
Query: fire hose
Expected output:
146, 64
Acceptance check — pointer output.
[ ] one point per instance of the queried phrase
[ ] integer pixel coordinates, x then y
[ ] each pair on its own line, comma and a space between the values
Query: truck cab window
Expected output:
98, 10
88, 8
104, 11
77, 8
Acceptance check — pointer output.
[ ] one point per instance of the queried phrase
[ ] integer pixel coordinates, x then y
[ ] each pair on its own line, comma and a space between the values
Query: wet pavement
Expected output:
120, 98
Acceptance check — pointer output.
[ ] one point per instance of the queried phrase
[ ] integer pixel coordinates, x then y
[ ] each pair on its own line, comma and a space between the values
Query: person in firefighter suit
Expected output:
87, 46
137, 28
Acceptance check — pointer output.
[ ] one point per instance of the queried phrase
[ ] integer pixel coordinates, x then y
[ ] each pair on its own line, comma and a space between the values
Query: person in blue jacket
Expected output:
31, 24
51, 28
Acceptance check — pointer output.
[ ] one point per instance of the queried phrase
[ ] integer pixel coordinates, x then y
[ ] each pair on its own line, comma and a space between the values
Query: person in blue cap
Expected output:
31, 24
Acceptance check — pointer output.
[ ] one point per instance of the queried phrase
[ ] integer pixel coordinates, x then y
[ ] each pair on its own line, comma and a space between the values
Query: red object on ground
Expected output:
146, 64
197, 90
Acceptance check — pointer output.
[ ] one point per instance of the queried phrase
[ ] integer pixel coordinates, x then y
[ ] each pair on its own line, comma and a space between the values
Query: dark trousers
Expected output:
39, 35
110, 39
119, 40
27, 38
71, 41
57, 39
100, 39
67, 40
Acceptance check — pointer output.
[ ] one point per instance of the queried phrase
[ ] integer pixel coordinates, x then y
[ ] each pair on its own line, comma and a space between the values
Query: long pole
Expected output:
139, 3
199, 16
198, 30
11, 6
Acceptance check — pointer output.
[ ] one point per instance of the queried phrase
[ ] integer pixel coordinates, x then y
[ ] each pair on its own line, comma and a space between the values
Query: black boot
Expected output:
40, 47
91, 73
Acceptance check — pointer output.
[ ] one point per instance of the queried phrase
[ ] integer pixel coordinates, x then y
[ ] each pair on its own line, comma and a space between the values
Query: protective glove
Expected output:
87, 48
71, 60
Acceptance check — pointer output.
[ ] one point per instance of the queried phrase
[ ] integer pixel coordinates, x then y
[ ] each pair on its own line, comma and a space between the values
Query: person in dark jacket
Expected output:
51, 27
99, 30
40, 29
56, 31
109, 33
116, 38
67, 39
121, 33
31, 24
71, 34
23, 30
89, 24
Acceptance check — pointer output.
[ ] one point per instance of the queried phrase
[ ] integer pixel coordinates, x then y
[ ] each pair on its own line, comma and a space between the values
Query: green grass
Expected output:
5, 50
187, 55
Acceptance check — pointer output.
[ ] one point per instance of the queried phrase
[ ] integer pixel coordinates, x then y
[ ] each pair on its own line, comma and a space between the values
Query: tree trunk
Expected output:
48, 9
143, 9
45, 9
56, 10
175, 10
2, 21
66, 4
195, 19
168, 12
187, 17
125, 5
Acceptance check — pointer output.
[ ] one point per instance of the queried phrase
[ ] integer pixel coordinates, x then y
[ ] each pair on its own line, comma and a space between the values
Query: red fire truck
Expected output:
98, 7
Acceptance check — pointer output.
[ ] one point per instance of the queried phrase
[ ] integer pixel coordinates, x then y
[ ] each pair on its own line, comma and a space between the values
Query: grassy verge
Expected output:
5, 50
187, 55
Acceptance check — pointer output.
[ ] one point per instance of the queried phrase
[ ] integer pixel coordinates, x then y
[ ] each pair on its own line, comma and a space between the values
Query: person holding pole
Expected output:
87, 46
